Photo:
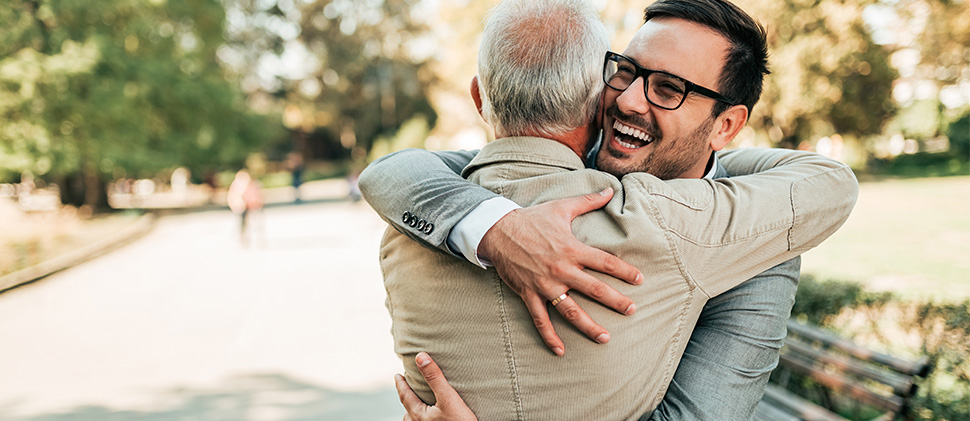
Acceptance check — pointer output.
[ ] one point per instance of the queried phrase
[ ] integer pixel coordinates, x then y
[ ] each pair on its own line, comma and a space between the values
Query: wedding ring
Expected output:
559, 299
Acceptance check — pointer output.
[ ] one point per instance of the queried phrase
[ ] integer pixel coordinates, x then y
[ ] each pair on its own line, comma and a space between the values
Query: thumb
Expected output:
443, 392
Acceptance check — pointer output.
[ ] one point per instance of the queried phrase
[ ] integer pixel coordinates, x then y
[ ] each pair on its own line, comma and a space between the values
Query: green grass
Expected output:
908, 236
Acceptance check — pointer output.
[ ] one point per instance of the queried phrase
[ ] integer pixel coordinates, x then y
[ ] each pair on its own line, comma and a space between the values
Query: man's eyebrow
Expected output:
661, 69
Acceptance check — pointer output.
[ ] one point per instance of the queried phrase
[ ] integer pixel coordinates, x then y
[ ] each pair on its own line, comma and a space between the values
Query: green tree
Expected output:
828, 76
346, 72
94, 90
942, 33
373, 70
933, 38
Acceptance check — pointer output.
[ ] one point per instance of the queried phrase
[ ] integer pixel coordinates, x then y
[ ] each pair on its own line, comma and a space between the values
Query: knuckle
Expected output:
572, 314
557, 272
598, 290
540, 322
610, 262
432, 375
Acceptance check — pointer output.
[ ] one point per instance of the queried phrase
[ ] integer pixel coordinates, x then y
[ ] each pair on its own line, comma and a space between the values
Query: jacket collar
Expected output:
525, 149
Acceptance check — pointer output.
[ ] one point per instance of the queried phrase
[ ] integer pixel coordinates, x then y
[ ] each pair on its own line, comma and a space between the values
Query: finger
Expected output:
605, 294
609, 264
412, 403
444, 394
540, 316
578, 205
573, 313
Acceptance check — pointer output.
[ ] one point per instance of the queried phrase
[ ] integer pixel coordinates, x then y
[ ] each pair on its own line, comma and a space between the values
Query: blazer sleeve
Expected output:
422, 194
730, 229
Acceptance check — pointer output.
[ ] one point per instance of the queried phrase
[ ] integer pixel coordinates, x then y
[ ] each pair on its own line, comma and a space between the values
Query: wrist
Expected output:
467, 234
493, 237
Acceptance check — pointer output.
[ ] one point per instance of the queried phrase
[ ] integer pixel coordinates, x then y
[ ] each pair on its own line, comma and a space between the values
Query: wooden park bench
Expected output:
840, 369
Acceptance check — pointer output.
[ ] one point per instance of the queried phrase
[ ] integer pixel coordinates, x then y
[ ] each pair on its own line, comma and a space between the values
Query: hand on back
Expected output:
534, 251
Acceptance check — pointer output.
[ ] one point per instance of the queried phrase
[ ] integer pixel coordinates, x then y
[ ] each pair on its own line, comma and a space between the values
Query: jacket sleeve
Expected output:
421, 194
730, 229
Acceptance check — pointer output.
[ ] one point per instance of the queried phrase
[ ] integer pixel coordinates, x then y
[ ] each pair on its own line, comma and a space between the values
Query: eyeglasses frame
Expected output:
644, 72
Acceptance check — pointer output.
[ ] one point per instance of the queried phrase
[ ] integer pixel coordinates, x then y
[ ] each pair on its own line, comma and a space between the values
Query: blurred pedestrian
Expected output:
245, 197
295, 163
352, 186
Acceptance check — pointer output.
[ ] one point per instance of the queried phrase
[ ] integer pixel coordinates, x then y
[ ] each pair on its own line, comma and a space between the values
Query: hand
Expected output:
448, 407
534, 251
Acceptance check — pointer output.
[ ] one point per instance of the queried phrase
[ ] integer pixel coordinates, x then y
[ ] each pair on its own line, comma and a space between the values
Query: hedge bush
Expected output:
909, 329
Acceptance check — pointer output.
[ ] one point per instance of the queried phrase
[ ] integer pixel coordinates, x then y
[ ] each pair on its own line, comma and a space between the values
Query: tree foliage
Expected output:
94, 90
943, 38
363, 68
828, 76
934, 56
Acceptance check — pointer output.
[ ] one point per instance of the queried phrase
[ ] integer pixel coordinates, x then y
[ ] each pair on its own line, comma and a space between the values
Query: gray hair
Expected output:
540, 66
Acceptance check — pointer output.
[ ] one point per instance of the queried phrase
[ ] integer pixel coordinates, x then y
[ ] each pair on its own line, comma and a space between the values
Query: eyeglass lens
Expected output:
661, 89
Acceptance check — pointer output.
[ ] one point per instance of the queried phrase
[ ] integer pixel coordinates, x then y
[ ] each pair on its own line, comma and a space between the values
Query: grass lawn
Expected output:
909, 236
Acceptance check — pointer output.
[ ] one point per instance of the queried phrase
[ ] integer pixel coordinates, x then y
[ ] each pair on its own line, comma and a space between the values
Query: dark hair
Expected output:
747, 59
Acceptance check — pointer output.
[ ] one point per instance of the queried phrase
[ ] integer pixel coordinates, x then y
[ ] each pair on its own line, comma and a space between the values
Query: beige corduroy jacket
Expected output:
692, 239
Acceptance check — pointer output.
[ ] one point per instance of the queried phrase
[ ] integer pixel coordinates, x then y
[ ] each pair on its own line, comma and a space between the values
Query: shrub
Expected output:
909, 329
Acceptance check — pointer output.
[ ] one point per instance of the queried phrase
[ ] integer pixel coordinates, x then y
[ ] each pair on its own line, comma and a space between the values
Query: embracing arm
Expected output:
822, 191
731, 229
421, 193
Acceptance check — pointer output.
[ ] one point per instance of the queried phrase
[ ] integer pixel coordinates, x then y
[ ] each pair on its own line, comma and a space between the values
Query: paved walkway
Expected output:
187, 324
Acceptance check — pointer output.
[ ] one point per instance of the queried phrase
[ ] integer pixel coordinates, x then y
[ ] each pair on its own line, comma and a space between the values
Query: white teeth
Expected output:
630, 131
627, 145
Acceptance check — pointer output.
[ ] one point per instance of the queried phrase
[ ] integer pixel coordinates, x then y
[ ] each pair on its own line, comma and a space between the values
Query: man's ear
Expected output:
728, 125
476, 95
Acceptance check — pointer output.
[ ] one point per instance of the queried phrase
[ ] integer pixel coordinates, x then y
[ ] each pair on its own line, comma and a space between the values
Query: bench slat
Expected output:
919, 367
803, 409
768, 412
901, 385
844, 385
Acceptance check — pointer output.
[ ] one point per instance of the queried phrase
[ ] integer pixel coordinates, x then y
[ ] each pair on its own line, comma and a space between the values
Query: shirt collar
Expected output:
711, 167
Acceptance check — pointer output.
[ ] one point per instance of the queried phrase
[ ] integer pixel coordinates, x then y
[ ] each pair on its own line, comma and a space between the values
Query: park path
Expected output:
185, 323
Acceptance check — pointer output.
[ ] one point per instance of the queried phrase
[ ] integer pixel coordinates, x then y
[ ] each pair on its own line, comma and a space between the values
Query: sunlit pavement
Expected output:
186, 323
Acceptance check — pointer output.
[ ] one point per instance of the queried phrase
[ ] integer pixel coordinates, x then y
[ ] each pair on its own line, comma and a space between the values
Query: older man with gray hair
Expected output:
686, 235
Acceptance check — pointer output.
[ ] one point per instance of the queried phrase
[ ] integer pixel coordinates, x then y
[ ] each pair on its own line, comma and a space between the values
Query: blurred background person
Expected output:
245, 197
294, 161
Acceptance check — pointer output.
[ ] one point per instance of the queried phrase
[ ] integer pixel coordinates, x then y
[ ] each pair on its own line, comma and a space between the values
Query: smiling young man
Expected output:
674, 97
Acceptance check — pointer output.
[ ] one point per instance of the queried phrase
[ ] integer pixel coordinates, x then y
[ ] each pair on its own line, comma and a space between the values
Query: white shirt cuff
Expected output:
467, 234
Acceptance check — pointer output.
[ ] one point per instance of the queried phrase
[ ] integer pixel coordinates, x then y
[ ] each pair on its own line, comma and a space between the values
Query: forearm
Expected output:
424, 186
793, 202
822, 193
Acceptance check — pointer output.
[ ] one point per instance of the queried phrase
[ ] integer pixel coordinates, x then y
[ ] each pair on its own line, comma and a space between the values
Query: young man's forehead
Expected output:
685, 48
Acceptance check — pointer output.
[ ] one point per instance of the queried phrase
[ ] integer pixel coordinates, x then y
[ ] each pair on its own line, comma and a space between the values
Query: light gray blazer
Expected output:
417, 184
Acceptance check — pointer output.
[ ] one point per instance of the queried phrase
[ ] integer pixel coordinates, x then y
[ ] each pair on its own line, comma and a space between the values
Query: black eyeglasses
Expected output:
662, 89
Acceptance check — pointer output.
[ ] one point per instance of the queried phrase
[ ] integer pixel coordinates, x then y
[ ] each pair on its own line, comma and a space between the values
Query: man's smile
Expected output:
630, 137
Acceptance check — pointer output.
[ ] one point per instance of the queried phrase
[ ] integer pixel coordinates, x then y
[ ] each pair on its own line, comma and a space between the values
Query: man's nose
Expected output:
633, 99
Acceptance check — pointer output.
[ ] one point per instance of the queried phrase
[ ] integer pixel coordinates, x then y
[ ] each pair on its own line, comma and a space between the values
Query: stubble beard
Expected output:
669, 159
